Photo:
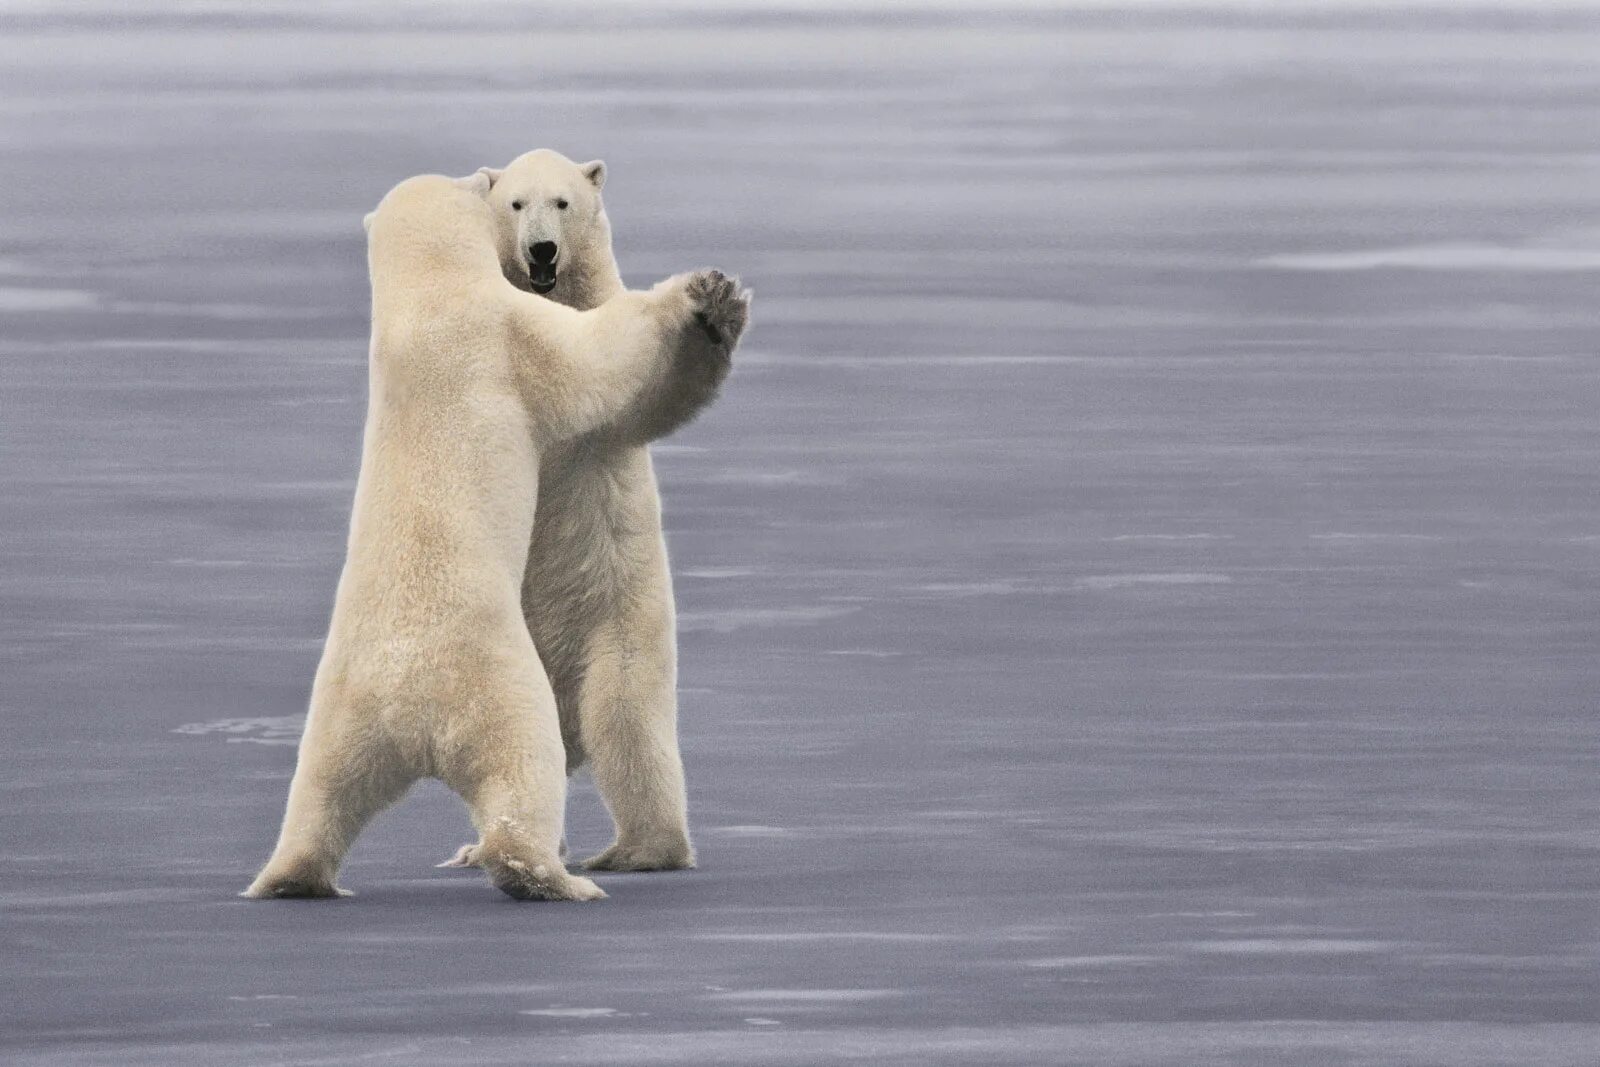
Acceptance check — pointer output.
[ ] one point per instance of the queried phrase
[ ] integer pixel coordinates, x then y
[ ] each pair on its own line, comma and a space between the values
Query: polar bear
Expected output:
429, 669
597, 590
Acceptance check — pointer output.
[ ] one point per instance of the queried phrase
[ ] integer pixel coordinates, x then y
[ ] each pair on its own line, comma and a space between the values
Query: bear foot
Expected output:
676, 856
294, 887
528, 879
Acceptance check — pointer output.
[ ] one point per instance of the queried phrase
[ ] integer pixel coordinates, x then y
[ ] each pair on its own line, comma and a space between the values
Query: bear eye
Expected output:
561, 204
516, 205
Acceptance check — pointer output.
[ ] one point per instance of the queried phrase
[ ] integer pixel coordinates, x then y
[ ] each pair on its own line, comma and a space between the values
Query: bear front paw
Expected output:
720, 308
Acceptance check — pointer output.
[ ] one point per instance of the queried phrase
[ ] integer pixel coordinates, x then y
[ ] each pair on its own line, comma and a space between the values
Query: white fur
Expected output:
597, 591
429, 669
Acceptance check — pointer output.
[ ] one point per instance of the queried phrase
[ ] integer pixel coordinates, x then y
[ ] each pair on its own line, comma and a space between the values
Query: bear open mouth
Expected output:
541, 277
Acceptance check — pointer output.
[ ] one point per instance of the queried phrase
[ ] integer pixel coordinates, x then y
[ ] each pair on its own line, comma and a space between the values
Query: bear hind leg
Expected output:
334, 794
513, 849
515, 785
628, 710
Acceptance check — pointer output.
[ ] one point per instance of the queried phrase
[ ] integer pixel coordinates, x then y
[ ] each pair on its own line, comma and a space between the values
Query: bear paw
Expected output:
533, 880
720, 308
294, 888
676, 856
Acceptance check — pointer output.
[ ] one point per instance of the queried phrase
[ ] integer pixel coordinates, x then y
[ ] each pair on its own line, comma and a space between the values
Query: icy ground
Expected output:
1139, 591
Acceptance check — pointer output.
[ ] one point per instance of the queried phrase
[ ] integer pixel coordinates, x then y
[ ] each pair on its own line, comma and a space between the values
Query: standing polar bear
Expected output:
597, 591
429, 669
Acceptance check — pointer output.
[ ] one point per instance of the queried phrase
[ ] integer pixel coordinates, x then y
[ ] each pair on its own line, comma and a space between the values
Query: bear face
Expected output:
547, 213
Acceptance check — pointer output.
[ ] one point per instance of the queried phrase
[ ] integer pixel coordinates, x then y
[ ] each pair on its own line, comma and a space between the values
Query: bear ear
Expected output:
494, 174
366, 221
595, 171
478, 184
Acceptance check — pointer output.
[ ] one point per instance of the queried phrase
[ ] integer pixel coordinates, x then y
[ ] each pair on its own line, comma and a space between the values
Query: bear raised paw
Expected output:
721, 307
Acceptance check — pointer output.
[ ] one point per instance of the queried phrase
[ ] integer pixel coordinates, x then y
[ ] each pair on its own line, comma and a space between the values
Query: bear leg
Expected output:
628, 713
513, 854
513, 778
335, 792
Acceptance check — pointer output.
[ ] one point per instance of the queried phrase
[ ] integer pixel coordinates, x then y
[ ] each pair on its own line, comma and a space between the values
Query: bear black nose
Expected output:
543, 252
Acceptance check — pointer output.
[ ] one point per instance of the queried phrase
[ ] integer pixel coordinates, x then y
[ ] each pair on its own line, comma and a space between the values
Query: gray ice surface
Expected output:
1139, 592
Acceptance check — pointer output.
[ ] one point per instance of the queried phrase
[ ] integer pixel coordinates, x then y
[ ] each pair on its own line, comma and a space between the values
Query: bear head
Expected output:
548, 216
433, 221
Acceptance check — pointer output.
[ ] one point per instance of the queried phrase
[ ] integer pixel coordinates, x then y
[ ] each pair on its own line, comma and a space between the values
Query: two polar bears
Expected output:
475, 638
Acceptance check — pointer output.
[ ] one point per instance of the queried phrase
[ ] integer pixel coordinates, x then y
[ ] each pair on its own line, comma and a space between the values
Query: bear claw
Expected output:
466, 856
